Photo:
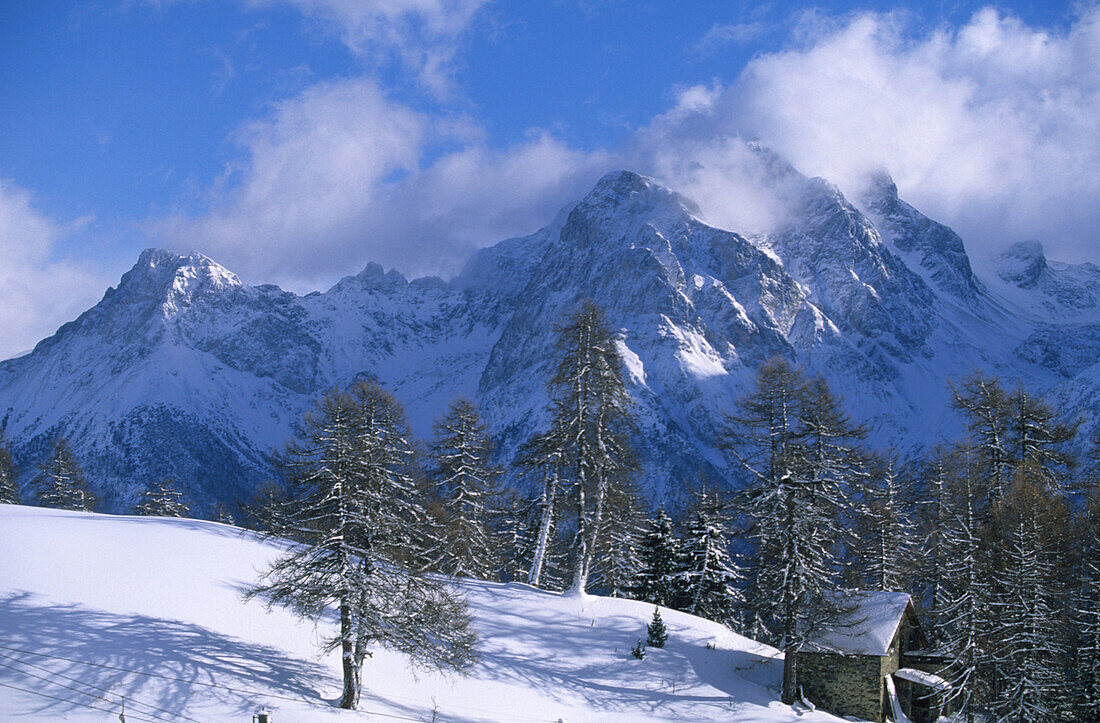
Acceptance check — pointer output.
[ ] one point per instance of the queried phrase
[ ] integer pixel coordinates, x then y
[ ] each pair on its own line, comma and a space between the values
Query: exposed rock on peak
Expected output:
183, 370
1022, 264
937, 250
628, 192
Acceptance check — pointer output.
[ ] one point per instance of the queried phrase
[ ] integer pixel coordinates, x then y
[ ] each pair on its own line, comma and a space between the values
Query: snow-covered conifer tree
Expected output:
887, 536
659, 556
799, 449
1086, 616
618, 560
9, 490
963, 611
932, 509
515, 528
984, 405
585, 451
61, 483
1038, 439
1028, 631
708, 580
353, 505
465, 481
542, 456
162, 499
223, 515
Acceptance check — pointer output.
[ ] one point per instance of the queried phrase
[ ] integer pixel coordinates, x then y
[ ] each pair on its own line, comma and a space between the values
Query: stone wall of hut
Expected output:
844, 685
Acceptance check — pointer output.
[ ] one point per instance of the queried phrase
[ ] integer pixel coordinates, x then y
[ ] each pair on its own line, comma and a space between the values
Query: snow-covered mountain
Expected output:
182, 370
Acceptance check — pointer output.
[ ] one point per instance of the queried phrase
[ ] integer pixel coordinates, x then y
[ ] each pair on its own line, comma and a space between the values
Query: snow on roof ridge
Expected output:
867, 629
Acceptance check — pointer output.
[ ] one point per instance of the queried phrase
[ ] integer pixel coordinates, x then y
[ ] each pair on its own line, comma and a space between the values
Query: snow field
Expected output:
155, 604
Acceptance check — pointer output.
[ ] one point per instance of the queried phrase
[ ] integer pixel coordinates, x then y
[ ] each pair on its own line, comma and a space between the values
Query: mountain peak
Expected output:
1022, 264
882, 186
634, 193
156, 261
622, 183
174, 279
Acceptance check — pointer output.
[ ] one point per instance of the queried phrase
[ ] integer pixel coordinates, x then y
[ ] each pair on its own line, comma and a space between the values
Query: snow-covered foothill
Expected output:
151, 608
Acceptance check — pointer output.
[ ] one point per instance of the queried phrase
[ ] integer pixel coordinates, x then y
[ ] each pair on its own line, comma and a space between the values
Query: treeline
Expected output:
61, 483
996, 535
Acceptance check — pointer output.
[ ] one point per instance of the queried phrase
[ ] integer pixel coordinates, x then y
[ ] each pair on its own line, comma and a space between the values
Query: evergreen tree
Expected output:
61, 483
659, 556
1028, 634
465, 482
353, 504
798, 448
541, 455
9, 490
223, 515
887, 536
269, 509
985, 408
515, 528
162, 499
708, 581
963, 609
1086, 618
933, 512
1038, 439
656, 632
585, 451
619, 559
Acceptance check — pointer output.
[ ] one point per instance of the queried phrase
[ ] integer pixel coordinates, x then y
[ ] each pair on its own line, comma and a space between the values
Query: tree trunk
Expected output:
594, 530
548, 495
580, 544
790, 613
790, 675
350, 697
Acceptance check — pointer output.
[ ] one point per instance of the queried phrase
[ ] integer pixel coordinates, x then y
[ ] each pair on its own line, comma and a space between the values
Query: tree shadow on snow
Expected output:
604, 674
169, 661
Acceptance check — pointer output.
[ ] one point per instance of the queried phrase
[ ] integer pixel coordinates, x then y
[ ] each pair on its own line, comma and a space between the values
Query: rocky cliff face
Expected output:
184, 371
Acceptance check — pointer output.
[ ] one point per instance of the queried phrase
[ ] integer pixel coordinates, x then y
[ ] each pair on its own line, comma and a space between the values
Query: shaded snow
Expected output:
162, 597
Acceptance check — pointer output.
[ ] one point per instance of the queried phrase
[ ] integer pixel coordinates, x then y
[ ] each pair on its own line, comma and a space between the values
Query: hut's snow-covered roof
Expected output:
930, 680
867, 627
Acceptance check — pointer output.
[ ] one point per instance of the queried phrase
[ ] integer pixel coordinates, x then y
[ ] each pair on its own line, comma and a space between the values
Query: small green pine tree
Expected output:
61, 483
656, 633
638, 651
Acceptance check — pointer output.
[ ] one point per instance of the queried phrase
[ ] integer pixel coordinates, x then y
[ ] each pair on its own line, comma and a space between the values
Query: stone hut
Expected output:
872, 663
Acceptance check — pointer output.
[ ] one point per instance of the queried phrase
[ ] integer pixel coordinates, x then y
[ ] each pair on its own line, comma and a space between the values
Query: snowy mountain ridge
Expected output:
184, 371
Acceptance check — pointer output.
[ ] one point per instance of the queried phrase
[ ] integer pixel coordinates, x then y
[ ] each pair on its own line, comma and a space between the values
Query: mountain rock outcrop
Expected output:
183, 371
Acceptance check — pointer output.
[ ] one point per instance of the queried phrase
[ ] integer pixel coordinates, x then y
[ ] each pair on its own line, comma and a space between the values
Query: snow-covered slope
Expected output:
155, 605
184, 371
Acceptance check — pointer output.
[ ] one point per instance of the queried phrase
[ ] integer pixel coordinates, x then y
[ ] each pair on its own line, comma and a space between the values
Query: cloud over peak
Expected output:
990, 127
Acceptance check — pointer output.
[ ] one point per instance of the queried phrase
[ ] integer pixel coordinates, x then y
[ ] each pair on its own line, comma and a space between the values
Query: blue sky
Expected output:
295, 140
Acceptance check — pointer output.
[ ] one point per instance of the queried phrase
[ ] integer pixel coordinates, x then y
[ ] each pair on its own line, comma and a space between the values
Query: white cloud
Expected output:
991, 128
727, 34
39, 291
341, 175
421, 34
